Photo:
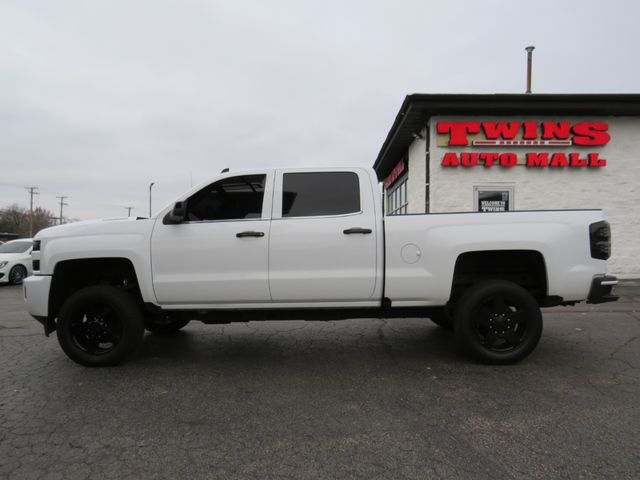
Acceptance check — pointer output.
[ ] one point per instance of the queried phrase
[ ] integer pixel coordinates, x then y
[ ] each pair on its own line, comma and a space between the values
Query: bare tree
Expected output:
15, 219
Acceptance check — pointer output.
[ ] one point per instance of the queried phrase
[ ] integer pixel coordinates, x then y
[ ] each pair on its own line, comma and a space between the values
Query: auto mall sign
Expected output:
543, 137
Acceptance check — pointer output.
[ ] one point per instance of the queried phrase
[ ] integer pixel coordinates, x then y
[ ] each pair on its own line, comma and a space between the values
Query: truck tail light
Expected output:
600, 239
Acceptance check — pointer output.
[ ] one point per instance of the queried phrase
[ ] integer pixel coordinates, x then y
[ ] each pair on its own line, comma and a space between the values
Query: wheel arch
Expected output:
526, 268
69, 276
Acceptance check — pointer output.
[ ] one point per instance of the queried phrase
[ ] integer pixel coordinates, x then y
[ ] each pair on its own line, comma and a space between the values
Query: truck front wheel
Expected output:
100, 326
498, 322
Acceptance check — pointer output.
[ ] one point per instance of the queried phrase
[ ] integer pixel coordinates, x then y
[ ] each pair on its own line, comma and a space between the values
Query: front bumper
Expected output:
36, 295
601, 287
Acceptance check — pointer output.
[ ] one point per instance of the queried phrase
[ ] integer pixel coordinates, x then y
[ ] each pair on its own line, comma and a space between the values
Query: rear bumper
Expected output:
36, 296
601, 287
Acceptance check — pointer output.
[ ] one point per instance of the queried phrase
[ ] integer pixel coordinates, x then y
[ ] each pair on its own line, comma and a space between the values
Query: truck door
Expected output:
220, 253
323, 237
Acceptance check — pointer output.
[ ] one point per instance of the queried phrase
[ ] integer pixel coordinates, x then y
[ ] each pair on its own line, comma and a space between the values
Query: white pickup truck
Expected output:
316, 245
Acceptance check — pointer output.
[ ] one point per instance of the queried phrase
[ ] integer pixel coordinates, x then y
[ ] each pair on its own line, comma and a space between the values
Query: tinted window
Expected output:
15, 247
320, 193
228, 199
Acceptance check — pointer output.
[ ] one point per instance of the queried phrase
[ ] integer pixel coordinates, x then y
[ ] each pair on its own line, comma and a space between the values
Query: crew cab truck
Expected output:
312, 244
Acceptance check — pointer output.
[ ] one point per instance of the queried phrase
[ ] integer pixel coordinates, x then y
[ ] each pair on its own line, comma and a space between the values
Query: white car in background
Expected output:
15, 261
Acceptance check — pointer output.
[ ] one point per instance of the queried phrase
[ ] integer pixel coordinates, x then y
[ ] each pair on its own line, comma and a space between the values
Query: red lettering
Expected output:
576, 161
450, 160
590, 133
458, 131
595, 161
469, 159
559, 130
537, 159
502, 130
489, 158
508, 159
530, 130
559, 160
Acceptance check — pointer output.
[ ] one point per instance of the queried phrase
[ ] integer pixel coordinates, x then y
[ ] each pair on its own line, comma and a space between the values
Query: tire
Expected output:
442, 319
165, 324
100, 326
498, 322
17, 274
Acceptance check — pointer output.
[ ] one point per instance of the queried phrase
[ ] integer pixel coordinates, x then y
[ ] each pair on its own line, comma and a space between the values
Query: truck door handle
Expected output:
363, 231
249, 234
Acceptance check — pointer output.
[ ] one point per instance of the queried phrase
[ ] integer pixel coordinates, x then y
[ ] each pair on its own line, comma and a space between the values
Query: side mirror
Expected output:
178, 213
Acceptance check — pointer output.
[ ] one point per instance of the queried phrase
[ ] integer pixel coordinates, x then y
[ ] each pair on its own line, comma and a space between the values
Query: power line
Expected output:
62, 204
12, 184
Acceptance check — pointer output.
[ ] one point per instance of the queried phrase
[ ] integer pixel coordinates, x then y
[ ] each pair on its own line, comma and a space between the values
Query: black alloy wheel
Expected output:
98, 330
498, 322
100, 326
17, 275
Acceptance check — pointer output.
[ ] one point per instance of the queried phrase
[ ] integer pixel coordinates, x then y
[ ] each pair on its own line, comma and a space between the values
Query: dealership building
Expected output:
503, 152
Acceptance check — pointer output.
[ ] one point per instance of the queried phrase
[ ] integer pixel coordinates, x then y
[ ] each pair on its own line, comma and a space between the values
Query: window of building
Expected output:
493, 198
229, 199
397, 198
320, 193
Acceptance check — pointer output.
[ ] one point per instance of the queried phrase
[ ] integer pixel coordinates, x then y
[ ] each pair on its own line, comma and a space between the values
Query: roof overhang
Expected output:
419, 107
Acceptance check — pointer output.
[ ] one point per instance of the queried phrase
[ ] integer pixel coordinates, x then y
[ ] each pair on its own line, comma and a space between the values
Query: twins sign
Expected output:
543, 137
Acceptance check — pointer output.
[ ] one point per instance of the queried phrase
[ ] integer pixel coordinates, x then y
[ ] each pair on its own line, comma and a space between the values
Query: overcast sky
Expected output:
100, 98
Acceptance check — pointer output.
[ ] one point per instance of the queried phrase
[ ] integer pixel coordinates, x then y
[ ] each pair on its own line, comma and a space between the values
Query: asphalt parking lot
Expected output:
354, 399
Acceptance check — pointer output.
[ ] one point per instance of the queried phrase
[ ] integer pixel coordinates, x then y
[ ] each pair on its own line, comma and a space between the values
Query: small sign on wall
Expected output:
492, 199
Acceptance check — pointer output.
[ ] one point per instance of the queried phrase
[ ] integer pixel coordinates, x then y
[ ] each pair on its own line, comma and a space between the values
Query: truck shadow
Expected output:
310, 343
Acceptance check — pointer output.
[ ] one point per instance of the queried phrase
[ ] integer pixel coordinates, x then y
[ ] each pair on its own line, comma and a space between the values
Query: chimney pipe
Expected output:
529, 50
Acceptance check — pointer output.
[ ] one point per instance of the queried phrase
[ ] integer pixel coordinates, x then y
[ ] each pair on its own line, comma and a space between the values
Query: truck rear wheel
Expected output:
498, 322
100, 326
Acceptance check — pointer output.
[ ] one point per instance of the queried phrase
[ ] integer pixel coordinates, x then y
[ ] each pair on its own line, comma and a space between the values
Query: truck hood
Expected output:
104, 226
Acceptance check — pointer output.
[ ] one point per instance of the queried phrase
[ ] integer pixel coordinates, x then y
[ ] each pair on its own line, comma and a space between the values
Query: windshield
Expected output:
15, 247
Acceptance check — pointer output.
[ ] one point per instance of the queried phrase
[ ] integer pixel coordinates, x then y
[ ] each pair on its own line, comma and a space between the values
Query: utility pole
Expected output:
128, 211
62, 203
32, 191
151, 185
